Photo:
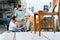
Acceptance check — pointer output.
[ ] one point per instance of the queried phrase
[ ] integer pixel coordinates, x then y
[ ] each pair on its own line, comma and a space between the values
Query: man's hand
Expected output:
20, 28
17, 28
23, 26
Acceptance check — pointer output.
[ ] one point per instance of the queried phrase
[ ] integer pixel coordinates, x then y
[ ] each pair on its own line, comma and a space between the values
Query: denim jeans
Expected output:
17, 30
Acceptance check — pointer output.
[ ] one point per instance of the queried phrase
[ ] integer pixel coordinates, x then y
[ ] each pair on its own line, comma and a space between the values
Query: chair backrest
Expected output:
54, 8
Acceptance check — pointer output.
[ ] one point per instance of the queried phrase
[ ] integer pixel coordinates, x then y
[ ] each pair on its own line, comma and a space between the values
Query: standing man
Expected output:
22, 18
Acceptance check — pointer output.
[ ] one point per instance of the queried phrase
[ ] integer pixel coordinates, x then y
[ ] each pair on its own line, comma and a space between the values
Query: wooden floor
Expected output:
30, 36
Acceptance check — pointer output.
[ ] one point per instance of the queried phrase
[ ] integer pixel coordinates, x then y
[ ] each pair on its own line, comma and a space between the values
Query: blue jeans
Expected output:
17, 30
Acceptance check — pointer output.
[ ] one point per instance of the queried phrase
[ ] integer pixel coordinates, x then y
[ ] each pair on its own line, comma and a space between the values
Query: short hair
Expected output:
13, 17
19, 6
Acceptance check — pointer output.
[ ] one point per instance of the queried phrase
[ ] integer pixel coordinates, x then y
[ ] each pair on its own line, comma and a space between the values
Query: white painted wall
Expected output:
38, 4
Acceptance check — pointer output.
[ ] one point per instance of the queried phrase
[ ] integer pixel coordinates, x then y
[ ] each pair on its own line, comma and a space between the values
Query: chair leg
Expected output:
35, 23
39, 25
53, 24
40, 28
40, 31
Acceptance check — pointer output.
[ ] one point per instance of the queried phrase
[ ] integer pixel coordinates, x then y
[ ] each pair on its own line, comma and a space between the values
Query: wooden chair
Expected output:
44, 13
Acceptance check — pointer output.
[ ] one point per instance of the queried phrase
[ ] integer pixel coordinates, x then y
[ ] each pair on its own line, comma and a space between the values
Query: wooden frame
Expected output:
41, 13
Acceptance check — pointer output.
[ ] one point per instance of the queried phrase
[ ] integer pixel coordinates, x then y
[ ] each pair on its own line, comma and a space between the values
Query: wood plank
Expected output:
54, 3
59, 13
45, 13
